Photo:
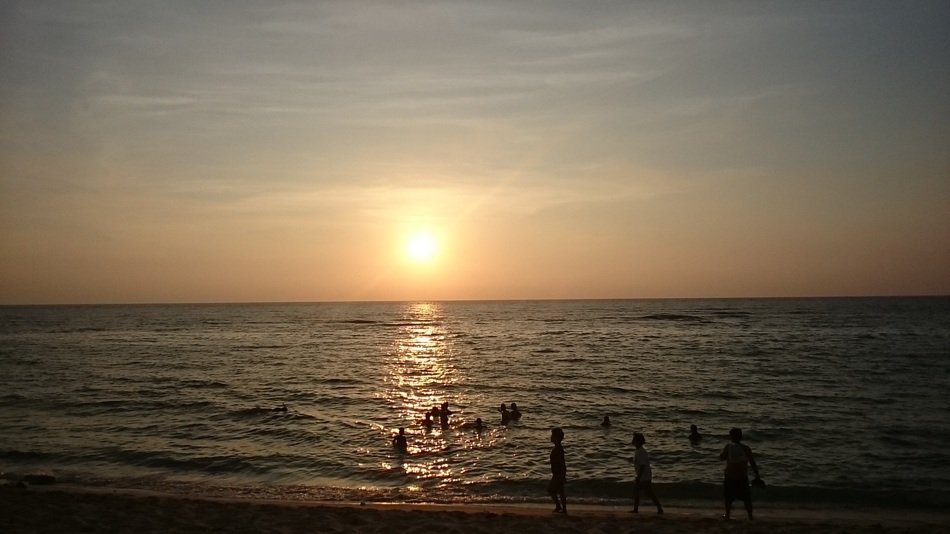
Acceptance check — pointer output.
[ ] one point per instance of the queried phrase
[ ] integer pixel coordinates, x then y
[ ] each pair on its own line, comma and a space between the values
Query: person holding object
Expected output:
738, 457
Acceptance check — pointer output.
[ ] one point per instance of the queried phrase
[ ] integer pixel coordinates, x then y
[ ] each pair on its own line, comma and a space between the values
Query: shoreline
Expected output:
67, 508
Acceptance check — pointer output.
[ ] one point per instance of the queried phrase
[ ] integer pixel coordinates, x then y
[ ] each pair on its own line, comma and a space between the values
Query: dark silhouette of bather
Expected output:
515, 412
694, 435
644, 476
505, 414
427, 422
558, 472
478, 425
606, 421
735, 485
399, 441
444, 414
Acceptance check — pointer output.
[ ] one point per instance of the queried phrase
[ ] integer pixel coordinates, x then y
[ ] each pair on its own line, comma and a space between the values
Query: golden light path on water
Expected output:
422, 375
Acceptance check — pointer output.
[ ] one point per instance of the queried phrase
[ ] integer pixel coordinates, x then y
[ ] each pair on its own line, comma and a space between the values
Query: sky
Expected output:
240, 151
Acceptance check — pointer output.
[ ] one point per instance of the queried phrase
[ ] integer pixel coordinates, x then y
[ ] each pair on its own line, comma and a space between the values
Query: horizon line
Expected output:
406, 301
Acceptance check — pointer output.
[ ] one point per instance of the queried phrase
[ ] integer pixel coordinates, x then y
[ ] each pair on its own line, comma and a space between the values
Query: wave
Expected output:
674, 317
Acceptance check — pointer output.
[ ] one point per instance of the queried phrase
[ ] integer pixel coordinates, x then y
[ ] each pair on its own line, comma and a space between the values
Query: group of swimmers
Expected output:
737, 455
442, 413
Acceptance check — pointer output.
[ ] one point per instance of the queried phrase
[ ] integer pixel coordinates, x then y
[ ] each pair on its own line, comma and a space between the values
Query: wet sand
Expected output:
75, 509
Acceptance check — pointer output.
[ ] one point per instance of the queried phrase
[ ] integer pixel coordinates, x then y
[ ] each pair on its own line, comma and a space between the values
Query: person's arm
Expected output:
755, 468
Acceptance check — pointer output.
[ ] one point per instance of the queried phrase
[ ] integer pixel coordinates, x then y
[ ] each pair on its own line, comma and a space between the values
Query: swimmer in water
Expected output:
606, 421
427, 422
477, 425
505, 414
515, 412
694, 435
399, 441
444, 413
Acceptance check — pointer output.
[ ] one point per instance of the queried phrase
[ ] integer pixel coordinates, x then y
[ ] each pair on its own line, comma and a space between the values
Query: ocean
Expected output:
843, 401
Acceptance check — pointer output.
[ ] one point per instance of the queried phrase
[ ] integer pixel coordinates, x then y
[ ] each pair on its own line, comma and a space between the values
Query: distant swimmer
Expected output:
515, 412
644, 474
694, 435
505, 414
606, 421
735, 483
444, 414
427, 422
477, 425
399, 441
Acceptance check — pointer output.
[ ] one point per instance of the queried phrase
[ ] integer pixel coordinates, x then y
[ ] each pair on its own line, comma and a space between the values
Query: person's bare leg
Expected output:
652, 495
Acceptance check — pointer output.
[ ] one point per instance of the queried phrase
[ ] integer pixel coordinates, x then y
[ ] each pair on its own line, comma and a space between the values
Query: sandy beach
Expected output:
73, 509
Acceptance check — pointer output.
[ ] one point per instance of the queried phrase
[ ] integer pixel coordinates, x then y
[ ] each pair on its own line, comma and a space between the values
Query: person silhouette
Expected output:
427, 422
505, 414
606, 421
644, 477
399, 440
694, 435
478, 425
515, 412
444, 413
558, 472
735, 485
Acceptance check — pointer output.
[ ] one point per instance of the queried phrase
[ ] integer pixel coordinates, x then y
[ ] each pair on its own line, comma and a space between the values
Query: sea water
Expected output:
841, 400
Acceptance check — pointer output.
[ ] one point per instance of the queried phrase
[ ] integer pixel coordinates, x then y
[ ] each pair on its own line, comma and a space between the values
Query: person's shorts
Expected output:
556, 485
736, 488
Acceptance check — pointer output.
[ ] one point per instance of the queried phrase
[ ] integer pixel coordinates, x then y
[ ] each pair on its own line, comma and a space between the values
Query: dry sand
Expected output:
76, 510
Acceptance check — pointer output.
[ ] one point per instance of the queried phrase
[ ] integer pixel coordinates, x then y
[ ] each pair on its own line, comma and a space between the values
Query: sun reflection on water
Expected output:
422, 375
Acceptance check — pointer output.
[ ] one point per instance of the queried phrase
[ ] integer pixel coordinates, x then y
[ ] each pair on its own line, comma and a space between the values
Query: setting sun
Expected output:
421, 247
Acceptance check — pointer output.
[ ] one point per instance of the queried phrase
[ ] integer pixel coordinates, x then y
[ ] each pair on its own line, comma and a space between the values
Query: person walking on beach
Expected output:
738, 457
644, 478
558, 472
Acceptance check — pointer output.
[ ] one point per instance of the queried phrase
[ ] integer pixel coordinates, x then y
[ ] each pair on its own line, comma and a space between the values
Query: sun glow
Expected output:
421, 247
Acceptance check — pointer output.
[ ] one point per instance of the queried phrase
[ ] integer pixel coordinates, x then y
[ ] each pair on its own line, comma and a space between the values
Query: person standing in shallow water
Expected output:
399, 441
505, 414
644, 479
735, 484
558, 472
